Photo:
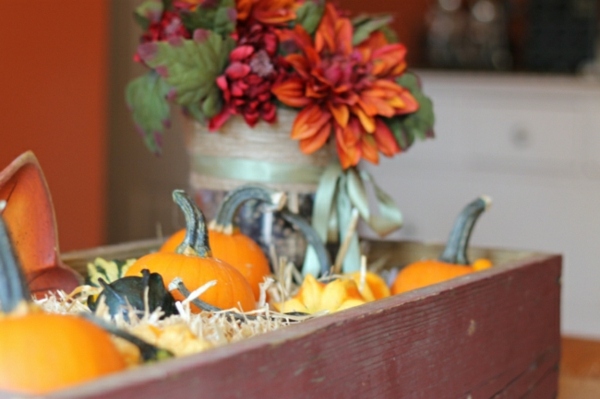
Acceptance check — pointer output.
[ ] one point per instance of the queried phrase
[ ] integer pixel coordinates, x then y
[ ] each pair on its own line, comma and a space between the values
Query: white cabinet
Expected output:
533, 145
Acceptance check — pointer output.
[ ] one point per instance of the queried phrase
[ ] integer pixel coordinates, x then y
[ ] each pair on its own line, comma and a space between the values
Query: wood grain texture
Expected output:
492, 334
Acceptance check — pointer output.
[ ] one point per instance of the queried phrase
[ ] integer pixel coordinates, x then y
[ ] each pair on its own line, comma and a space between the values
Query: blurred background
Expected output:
516, 91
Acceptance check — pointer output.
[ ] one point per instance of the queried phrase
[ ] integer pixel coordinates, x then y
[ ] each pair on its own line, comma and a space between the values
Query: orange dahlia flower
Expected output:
344, 90
270, 12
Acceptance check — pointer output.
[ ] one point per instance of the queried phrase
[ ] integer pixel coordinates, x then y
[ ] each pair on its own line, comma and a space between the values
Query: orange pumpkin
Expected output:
175, 240
236, 249
453, 262
228, 243
29, 215
194, 264
41, 352
427, 272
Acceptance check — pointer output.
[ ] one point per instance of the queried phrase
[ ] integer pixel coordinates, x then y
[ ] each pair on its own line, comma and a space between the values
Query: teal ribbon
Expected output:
256, 170
339, 192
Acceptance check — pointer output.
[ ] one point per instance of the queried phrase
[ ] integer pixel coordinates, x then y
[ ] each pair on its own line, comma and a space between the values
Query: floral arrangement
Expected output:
216, 59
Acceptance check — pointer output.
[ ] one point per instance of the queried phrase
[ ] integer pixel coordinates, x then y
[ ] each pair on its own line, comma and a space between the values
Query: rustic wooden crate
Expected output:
491, 334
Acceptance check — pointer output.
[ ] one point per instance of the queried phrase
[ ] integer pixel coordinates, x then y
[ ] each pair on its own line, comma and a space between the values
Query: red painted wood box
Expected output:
491, 334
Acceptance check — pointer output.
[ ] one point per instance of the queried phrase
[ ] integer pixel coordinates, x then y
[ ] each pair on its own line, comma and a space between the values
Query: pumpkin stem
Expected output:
13, 285
312, 238
235, 198
148, 351
196, 234
458, 241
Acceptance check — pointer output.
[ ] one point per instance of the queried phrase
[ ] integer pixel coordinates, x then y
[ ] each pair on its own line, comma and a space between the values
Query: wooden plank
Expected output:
491, 334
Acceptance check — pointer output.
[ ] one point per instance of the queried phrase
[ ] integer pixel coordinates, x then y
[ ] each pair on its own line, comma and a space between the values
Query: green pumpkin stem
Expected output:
312, 238
236, 197
458, 241
196, 235
13, 285
149, 352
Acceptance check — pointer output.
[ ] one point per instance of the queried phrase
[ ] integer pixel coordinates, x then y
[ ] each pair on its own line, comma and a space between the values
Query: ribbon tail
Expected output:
321, 216
390, 217
351, 261
311, 263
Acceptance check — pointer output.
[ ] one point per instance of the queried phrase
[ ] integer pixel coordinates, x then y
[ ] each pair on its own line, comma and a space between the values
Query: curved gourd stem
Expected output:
458, 241
236, 197
196, 234
312, 238
13, 288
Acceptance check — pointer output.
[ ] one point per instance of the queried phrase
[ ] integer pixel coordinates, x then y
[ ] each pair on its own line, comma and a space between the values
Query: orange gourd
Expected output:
41, 352
315, 296
375, 287
29, 215
453, 262
226, 240
194, 264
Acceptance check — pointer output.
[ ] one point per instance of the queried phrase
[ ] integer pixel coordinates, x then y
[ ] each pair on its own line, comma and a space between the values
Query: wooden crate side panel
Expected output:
492, 334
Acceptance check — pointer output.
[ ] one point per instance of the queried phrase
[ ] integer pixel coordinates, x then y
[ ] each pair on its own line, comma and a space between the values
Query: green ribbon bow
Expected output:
339, 192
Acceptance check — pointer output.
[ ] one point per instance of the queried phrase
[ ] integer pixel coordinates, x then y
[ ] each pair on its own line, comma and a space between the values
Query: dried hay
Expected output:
186, 332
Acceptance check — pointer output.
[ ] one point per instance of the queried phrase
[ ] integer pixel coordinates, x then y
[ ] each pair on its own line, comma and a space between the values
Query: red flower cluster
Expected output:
246, 83
254, 64
165, 27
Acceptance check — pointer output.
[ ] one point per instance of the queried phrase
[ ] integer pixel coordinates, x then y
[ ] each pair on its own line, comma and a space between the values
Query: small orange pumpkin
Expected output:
194, 264
41, 352
453, 262
231, 245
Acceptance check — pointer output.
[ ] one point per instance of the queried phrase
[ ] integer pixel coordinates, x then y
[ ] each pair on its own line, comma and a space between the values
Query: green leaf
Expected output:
364, 26
141, 21
146, 96
212, 105
419, 124
403, 138
309, 15
191, 69
147, 12
225, 19
390, 34
219, 18
194, 111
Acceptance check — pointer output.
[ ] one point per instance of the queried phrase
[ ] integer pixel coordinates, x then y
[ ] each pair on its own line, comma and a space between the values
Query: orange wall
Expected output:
53, 87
